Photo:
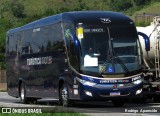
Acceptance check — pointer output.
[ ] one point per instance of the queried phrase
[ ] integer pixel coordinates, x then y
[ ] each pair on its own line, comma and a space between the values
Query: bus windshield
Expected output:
113, 49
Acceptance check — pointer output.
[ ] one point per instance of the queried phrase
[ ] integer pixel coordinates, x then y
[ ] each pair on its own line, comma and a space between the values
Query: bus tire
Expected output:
64, 96
22, 94
32, 100
118, 103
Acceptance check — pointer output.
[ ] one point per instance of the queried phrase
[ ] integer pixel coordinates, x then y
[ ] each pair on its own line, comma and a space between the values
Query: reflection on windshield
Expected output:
109, 50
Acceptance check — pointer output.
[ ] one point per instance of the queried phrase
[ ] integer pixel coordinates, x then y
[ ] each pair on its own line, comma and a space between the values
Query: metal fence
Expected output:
145, 17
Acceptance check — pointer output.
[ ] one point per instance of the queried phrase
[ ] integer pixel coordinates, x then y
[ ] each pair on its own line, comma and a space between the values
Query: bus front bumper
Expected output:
93, 91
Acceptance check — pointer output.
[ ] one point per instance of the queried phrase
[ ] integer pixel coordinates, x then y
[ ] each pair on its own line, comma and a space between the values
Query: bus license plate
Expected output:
114, 93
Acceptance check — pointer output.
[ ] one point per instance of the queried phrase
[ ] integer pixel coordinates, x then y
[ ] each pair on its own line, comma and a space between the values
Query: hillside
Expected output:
35, 9
153, 8
15, 13
20, 12
148, 12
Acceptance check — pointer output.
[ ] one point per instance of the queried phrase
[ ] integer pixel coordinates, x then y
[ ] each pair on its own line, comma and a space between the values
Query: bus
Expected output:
75, 56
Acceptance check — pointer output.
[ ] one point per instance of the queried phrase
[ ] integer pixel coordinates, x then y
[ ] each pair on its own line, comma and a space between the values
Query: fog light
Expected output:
88, 93
138, 91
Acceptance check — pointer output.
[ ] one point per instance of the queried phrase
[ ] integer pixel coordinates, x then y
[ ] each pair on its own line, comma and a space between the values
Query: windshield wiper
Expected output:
115, 59
111, 57
121, 63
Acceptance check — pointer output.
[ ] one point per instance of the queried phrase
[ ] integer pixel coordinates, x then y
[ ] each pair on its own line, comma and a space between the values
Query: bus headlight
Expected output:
89, 83
84, 82
136, 82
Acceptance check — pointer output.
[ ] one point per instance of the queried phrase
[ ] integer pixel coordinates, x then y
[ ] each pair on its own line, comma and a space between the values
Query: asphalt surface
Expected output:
91, 108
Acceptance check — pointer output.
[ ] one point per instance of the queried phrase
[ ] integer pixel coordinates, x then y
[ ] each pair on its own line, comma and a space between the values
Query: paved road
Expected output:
91, 108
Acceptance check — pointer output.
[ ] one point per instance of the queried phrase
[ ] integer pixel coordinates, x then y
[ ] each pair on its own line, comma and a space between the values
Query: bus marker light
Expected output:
75, 92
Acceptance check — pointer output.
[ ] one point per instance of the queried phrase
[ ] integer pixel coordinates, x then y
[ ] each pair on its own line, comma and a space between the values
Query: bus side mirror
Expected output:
77, 43
74, 40
146, 40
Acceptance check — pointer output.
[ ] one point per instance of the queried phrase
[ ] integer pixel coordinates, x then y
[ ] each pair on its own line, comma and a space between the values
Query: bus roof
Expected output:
77, 17
97, 16
38, 23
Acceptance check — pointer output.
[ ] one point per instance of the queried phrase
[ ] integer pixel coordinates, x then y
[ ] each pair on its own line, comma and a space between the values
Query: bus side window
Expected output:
12, 45
7, 45
55, 42
72, 53
27, 49
18, 44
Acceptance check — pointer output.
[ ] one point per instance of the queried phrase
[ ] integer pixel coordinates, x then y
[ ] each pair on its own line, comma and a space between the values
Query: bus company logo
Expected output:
114, 86
105, 20
39, 60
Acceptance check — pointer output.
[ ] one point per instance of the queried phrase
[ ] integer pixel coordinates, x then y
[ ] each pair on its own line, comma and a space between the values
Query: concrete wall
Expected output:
3, 84
2, 76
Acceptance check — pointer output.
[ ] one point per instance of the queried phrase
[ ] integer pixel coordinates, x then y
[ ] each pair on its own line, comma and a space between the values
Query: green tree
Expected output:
120, 5
141, 2
18, 10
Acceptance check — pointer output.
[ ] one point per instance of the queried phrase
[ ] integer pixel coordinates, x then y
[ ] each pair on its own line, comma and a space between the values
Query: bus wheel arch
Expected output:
22, 92
64, 94
19, 86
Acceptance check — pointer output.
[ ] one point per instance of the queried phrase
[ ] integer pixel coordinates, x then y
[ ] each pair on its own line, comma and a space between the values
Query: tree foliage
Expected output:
121, 5
18, 10
15, 13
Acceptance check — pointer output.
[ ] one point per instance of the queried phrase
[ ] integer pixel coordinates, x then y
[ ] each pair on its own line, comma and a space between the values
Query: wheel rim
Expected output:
22, 93
64, 95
